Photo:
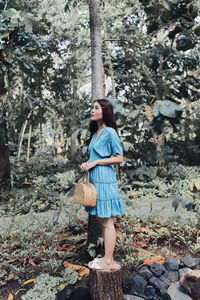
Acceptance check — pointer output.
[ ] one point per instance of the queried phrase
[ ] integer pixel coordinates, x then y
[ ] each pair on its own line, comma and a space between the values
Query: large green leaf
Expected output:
167, 108
28, 24
12, 13
156, 111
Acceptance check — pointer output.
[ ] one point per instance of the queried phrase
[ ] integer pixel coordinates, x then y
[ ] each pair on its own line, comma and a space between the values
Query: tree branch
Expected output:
6, 4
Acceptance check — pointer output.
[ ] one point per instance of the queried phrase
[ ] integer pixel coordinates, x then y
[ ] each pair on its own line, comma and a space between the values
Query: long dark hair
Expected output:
108, 117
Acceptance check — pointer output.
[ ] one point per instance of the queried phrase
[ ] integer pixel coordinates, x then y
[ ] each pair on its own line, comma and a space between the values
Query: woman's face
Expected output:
96, 113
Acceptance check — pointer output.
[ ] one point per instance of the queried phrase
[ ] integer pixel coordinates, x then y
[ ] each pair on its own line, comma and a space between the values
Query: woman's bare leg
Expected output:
109, 235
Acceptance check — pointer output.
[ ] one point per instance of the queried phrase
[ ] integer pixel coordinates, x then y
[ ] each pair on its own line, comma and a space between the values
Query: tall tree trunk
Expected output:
98, 91
110, 65
4, 155
4, 149
109, 60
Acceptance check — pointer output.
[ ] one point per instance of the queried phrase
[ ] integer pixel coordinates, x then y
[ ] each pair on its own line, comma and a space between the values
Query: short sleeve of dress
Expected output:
108, 143
116, 147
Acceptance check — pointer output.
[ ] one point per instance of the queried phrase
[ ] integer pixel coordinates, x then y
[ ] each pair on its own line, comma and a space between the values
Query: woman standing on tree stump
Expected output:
105, 150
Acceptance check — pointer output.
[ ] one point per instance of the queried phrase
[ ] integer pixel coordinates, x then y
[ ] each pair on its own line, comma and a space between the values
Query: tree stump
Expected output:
106, 284
190, 282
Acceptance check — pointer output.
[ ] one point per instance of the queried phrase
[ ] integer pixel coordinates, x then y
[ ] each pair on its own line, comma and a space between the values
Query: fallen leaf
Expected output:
28, 281
143, 230
79, 222
10, 297
139, 244
62, 286
4, 246
155, 258
42, 247
133, 195
149, 113
9, 259
25, 183
11, 275
37, 235
118, 226
119, 235
42, 205
61, 238
69, 248
82, 271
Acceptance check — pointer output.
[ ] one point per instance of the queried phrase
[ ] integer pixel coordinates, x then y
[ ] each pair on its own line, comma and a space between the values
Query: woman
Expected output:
105, 150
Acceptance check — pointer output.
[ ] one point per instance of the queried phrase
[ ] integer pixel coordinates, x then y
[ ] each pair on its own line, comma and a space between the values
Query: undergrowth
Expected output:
44, 228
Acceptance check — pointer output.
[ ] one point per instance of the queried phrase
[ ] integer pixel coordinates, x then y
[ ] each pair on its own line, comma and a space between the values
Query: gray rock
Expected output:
172, 264
158, 284
172, 276
156, 269
165, 280
188, 261
176, 293
149, 293
197, 263
183, 271
131, 297
65, 293
145, 272
80, 293
164, 296
134, 284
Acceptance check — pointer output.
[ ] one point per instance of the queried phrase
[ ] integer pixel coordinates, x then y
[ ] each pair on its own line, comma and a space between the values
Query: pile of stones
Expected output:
152, 282
149, 282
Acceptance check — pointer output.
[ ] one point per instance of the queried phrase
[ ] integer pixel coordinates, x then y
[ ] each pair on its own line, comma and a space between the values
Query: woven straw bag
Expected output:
85, 192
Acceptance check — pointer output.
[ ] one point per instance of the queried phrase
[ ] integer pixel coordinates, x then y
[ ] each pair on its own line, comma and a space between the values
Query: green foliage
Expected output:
146, 238
166, 108
45, 58
52, 87
40, 184
177, 182
34, 239
92, 248
153, 70
126, 252
47, 286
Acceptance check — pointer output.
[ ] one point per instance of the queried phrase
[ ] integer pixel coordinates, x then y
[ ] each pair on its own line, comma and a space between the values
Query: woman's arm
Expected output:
116, 159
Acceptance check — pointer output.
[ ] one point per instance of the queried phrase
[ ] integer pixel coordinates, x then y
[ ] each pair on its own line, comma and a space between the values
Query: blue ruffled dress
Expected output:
105, 145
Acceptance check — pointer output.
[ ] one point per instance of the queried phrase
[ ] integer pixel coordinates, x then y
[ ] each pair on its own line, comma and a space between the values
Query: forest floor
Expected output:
149, 237
160, 209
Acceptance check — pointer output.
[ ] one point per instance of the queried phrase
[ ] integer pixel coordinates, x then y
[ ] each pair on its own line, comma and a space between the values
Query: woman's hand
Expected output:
87, 166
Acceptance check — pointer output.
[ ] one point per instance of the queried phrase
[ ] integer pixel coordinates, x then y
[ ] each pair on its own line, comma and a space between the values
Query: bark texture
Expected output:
98, 88
106, 285
4, 149
94, 231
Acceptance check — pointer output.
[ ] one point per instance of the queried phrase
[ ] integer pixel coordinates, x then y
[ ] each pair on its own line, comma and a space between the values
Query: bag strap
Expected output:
85, 177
